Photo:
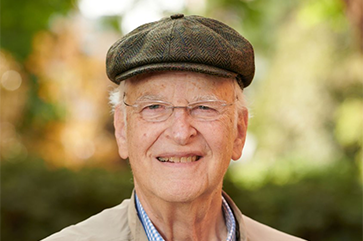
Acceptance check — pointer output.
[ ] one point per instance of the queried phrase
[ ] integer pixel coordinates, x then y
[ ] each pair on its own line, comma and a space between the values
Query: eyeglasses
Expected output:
157, 111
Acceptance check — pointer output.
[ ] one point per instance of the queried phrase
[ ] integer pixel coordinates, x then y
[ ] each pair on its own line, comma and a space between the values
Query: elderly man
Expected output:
179, 119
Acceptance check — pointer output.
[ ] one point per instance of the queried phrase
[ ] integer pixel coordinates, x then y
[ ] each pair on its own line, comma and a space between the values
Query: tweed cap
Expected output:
182, 43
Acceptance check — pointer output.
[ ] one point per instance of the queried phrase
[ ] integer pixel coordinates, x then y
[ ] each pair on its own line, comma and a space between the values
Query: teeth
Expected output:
162, 159
178, 159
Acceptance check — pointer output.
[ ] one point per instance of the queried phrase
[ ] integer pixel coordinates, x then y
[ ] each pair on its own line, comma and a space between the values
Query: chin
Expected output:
180, 193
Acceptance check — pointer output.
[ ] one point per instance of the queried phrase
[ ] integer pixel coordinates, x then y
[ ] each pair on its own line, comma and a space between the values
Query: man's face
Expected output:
207, 146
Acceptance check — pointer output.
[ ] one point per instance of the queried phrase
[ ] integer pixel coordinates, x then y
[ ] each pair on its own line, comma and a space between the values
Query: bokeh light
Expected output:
11, 80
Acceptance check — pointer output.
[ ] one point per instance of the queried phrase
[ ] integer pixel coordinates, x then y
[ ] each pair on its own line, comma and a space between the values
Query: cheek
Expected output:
220, 136
228, 137
227, 127
141, 136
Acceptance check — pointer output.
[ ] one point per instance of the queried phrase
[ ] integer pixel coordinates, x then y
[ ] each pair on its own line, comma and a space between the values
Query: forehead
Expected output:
178, 83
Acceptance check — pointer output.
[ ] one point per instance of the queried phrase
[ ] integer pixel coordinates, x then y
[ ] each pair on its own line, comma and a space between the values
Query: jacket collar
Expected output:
139, 234
241, 228
135, 225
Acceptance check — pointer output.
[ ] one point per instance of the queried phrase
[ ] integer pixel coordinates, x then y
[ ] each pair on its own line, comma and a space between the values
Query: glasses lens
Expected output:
208, 110
155, 111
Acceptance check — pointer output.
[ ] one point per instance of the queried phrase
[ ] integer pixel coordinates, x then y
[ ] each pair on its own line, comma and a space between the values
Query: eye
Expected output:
150, 108
204, 110
154, 107
203, 107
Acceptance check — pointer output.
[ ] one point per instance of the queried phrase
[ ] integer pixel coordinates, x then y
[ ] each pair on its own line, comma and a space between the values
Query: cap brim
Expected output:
193, 67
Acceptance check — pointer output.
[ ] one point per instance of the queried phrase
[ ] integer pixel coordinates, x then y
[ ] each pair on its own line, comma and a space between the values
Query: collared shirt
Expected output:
153, 235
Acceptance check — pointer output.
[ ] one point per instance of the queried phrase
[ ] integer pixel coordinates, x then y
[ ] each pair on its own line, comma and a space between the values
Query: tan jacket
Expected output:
121, 223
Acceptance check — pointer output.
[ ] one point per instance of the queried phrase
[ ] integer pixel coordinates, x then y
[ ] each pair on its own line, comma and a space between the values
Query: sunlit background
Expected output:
301, 170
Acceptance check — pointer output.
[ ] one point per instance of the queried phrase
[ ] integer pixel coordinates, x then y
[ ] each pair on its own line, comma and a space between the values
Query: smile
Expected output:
183, 159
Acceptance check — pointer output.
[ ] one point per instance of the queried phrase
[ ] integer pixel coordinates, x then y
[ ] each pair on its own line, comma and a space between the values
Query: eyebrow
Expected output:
150, 97
204, 97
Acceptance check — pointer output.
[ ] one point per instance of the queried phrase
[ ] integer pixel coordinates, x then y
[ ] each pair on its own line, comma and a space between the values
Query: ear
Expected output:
241, 132
120, 132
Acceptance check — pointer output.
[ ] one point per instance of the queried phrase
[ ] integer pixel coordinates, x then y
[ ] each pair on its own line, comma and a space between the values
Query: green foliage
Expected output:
258, 20
37, 201
20, 20
111, 22
323, 205
38, 112
324, 11
349, 121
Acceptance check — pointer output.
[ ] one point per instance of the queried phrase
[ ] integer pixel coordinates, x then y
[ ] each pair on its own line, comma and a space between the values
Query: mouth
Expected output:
184, 159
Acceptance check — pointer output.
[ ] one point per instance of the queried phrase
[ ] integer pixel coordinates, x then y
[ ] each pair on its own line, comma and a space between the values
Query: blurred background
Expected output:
301, 170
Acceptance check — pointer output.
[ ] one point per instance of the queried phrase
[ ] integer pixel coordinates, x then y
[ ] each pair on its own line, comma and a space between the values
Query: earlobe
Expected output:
240, 138
120, 132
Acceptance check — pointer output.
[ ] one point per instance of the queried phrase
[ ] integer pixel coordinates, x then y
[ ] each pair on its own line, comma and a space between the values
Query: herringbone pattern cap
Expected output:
182, 43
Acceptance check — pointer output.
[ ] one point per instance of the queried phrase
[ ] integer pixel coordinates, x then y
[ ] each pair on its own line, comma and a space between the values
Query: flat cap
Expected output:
182, 43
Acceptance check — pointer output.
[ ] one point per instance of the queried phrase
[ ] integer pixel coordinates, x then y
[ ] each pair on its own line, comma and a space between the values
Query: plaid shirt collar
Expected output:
153, 235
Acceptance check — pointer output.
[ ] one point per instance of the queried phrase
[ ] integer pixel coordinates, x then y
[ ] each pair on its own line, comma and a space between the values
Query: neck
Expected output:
201, 219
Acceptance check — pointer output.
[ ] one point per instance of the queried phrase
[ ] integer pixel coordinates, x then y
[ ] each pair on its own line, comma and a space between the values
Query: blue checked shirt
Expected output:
153, 235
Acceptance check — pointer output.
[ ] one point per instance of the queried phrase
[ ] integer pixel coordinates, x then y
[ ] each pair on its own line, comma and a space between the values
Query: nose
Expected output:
180, 130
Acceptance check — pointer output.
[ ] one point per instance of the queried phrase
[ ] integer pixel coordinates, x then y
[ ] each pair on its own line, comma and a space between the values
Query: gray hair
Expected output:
116, 95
